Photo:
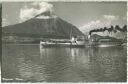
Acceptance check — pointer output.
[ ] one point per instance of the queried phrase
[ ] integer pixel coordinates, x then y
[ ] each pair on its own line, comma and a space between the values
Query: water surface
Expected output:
29, 63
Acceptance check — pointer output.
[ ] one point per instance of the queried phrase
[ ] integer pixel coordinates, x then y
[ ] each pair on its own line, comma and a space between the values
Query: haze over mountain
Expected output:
45, 24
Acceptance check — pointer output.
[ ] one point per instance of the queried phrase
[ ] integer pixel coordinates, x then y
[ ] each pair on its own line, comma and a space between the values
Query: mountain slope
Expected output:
43, 26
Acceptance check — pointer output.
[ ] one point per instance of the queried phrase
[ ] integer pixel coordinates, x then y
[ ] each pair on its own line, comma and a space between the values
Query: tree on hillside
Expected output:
117, 27
124, 28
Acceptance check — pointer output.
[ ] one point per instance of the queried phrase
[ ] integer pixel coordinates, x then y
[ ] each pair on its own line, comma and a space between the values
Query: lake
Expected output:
29, 63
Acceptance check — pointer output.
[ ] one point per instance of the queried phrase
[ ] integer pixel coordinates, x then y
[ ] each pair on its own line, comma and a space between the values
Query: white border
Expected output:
60, 0
74, 1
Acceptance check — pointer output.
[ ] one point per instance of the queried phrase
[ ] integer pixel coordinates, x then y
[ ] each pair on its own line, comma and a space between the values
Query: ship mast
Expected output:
71, 33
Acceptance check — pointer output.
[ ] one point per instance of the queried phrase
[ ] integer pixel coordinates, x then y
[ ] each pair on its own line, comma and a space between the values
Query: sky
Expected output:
84, 15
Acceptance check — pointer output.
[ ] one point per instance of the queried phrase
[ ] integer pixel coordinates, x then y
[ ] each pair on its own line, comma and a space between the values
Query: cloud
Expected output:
94, 25
36, 8
104, 21
91, 25
110, 17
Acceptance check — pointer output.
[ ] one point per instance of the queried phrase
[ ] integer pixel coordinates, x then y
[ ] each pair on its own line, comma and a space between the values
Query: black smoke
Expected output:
111, 29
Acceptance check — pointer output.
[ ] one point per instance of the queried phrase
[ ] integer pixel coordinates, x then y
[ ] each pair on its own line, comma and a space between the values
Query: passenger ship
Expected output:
73, 42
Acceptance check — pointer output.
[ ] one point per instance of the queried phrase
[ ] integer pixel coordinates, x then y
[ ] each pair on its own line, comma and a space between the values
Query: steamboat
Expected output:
73, 42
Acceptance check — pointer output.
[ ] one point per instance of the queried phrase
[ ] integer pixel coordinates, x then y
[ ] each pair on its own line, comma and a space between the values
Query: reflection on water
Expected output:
32, 64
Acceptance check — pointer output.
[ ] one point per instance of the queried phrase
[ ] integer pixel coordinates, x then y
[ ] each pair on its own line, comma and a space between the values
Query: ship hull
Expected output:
70, 44
108, 45
113, 44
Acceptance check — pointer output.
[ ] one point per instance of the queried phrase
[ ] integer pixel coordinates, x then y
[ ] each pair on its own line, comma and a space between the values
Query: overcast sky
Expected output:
83, 15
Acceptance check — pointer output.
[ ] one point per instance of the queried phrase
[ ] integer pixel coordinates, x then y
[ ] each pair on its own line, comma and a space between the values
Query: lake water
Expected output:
29, 63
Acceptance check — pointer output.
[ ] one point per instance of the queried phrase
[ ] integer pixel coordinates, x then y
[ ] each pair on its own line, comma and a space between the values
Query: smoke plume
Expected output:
111, 29
33, 9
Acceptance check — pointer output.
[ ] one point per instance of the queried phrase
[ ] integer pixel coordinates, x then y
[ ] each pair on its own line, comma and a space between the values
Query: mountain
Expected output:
44, 25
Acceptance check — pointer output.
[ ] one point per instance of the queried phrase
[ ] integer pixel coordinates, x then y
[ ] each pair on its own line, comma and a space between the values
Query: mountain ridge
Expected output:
50, 27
